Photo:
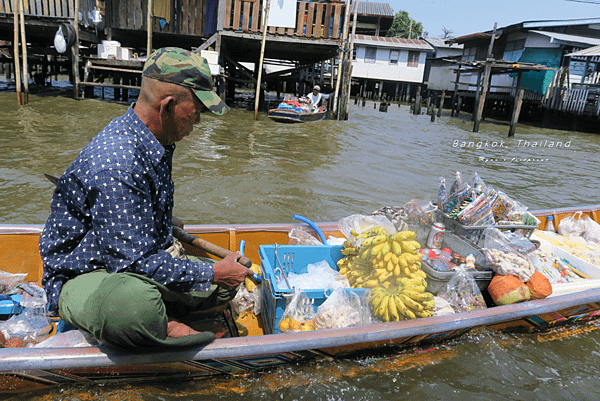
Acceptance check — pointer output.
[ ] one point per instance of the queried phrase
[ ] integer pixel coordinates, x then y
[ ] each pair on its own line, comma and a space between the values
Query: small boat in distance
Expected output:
293, 116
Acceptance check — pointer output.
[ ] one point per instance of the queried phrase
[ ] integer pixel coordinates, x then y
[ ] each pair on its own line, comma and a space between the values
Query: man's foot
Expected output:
177, 329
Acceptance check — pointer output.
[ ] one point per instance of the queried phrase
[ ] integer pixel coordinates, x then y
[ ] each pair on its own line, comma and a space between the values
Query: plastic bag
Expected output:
339, 310
299, 314
478, 186
506, 253
361, 224
32, 325
301, 237
246, 301
572, 225
462, 292
459, 191
591, 230
9, 281
69, 339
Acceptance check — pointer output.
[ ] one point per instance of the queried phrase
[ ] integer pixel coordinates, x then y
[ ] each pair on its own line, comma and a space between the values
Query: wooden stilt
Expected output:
442, 100
75, 50
262, 56
149, 17
16, 52
516, 112
25, 94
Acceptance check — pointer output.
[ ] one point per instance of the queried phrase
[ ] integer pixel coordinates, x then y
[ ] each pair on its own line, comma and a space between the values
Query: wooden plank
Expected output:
319, 20
246, 17
52, 8
337, 15
185, 17
300, 17
280, 30
309, 20
200, 15
327, 24
272, 30
255, 16
237, 5
227, 21
290, 32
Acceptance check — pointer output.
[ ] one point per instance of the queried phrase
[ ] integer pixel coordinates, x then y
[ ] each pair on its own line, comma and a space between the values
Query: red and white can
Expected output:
436, 236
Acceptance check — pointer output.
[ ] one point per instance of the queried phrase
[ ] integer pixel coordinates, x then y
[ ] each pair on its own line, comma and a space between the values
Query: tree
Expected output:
447, 33
405, 27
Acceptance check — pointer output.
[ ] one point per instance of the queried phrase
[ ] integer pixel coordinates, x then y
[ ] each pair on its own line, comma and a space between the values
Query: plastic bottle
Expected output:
442, 263
550, 223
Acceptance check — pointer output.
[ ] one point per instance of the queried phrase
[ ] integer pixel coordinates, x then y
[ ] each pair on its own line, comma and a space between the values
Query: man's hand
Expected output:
228, 273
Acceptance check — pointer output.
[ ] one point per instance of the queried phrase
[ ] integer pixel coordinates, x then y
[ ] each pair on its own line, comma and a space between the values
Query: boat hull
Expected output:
292, 116
24, 369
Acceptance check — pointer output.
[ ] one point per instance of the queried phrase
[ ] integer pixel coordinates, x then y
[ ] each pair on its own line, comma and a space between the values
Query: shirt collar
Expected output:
150, 145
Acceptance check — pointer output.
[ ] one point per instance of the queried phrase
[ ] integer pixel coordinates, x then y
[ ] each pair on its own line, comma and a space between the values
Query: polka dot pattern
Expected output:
112, 209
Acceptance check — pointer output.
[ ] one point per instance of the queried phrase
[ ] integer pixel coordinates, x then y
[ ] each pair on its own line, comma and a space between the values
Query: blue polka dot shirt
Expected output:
112, 209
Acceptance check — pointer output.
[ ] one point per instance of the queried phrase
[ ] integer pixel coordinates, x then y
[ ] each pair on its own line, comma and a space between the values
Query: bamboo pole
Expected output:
24, 51
16, 52
149, 27
262, 55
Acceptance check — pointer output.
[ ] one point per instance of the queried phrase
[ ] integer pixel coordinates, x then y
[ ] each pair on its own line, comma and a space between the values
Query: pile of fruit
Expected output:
389, 264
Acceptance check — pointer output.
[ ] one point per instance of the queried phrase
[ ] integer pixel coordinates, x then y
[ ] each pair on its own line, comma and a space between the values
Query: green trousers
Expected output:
130, 311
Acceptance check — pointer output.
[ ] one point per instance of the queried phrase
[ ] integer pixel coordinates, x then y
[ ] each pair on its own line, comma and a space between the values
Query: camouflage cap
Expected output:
182, 67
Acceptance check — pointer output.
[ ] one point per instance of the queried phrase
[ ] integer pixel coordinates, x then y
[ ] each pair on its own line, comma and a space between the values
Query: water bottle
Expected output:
550, 224
442, 263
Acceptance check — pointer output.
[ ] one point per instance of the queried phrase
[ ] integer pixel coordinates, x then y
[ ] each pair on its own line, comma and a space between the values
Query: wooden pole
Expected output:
24, 51
351, 51
75, 50
16, 52
442, 99
516, 112
149, 27
262, 55
455, 96
341, 56
486, 81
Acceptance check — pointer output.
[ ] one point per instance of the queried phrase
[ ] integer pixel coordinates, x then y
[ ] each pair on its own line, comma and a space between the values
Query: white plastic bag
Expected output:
339, 310
361, 224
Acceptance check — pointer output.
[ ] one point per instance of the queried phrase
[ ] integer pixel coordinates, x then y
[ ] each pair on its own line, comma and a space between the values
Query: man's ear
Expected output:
167, 105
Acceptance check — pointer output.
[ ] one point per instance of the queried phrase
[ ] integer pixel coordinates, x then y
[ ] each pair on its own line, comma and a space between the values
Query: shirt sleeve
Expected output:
127, 226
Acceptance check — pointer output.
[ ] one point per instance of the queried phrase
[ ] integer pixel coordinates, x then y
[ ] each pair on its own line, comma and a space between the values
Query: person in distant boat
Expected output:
111, 265
316, 98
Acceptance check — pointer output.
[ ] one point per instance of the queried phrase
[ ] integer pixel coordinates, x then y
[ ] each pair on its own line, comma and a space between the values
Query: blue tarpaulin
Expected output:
538, 81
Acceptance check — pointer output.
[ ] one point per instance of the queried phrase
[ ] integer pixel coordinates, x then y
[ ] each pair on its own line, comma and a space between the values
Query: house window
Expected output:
413, 59
354, 54
469, 54
394, 56
514, 50
370, 54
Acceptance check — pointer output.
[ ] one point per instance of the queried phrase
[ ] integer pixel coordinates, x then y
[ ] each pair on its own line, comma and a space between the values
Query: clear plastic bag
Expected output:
572, 225
361, 224
339, 310
246, 301
591, 231
505, 253
462, 292
299, 314
9, 281
300, 237
32, 325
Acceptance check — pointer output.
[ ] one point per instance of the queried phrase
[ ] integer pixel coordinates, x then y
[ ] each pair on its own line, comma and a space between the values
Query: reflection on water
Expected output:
234, 169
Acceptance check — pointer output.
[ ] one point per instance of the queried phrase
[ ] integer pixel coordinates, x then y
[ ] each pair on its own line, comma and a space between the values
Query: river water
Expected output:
234, 169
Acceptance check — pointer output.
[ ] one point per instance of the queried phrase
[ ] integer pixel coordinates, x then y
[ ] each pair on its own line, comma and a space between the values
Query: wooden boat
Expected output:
24, 369
293, 116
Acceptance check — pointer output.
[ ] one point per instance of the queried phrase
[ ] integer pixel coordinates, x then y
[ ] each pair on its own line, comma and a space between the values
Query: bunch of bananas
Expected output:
390, 264
407, 300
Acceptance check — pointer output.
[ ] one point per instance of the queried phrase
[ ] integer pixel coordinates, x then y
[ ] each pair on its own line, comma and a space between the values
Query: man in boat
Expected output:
316, 98
108, 248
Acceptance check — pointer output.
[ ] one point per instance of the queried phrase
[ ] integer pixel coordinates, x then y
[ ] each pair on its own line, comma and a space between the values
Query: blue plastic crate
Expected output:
294, 259
10, 305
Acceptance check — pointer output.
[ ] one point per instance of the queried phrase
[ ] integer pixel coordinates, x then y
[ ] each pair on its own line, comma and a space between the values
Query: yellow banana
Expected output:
397, 271
421, 273
428, 305
413, 268
383, 306
396, 248
384, 276
410, 303
379, 272
343, 270
400, 236
402, 260
415, 288
371, 283
402, 309
424, 313
250, 284
406, 271
386, 247
390, 266
377, 249
393, 310
418, 296
388, 256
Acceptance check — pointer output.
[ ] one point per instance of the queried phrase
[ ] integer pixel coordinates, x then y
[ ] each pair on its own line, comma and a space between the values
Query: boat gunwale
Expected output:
24, 359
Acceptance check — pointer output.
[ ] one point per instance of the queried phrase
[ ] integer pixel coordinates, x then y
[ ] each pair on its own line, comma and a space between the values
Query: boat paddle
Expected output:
194, 241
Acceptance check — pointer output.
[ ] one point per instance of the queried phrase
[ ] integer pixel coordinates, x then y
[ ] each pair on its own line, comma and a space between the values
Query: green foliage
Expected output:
405, 27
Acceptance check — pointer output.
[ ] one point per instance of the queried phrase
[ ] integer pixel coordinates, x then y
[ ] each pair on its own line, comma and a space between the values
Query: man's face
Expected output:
315, 91
186, 113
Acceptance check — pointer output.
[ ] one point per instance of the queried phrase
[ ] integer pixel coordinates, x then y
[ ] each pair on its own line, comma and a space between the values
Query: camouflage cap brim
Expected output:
212, 102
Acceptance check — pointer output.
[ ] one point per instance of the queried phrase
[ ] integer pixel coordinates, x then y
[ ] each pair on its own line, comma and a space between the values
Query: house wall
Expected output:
381, 69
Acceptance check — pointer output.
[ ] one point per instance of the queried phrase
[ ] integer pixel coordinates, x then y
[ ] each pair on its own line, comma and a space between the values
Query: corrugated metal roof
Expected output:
589, 52
437, 42
563, 38
564, 22
382, 41
375, 9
